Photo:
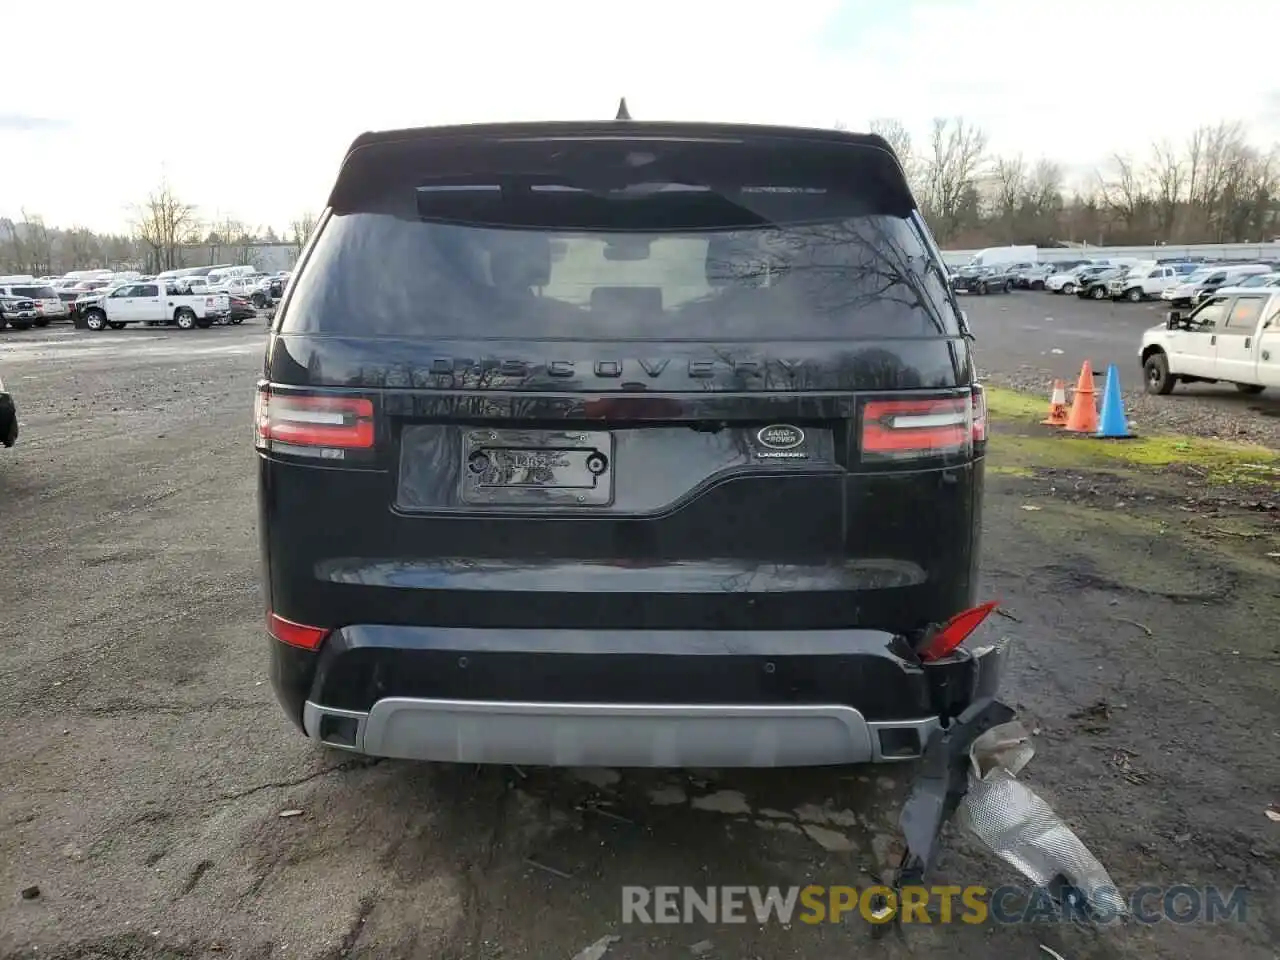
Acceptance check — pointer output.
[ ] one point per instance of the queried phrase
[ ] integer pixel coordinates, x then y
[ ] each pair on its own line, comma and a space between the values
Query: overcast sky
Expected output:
247, 107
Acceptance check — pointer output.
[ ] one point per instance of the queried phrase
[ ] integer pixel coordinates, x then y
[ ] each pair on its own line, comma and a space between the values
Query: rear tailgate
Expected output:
523, 407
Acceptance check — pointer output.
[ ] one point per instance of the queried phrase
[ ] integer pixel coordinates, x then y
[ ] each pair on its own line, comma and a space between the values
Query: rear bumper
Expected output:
627, 698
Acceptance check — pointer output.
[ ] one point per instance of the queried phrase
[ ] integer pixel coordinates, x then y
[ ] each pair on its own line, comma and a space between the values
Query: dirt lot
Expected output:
147, 763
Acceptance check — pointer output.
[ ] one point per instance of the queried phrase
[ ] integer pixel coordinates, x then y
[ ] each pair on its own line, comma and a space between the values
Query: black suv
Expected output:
982, 279
640, 444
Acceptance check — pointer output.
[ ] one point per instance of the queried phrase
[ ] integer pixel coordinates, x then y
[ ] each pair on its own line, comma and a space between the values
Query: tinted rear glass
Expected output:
660, 250
36, 293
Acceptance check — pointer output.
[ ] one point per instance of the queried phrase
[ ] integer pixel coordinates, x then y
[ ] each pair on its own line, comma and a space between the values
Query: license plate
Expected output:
537, 468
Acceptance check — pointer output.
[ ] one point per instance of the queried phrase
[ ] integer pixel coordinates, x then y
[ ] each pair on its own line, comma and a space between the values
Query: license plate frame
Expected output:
537, 468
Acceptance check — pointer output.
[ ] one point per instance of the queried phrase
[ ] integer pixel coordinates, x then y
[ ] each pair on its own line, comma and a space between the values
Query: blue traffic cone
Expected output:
1112, 424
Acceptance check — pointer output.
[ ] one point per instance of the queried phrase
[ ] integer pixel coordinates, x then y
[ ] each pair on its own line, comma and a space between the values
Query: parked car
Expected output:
1202, 283
1143, 281
8, 418
18, 312
595, 575
144, 303
1034, 278
241, 310
1098, 286
275, 290
1069, 282
1259, 280
1234, 276
1234, 336
47, 305
1014, 269
982, 280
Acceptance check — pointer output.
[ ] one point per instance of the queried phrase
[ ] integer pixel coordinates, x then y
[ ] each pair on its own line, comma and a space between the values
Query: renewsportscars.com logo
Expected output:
814, 904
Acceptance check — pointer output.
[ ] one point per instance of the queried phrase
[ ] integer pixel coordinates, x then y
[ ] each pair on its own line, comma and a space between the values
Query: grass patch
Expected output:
1023, 443
1005, 404
1009, 469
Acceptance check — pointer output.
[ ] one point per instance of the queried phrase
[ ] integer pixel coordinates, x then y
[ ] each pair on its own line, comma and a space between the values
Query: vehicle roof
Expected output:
1269, 291
392, 145
647, 128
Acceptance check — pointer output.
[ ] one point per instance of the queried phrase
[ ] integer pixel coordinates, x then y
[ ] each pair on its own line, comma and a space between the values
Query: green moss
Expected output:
1005, 404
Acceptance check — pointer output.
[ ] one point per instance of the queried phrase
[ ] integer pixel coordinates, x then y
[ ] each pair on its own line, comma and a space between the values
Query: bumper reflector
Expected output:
295, 634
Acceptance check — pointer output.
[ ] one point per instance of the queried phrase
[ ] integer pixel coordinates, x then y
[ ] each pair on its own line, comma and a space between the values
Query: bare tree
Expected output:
1124, 192
232, 238
1219, 158
1044, 188
39, 244
1011, 185
164, 224
951, 171
899, 139
13, 252
81, 247
1167, 174
300, 230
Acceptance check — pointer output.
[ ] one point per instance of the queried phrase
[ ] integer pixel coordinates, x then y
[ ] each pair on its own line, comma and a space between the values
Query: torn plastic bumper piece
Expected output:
1023, 830
969, 768
963, 686
941, 784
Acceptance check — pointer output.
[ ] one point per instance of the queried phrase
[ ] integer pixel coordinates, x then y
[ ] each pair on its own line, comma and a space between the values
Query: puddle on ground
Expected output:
723, 801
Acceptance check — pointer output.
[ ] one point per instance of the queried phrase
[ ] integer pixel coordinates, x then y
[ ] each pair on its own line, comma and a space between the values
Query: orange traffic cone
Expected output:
1084, 409
1057, 406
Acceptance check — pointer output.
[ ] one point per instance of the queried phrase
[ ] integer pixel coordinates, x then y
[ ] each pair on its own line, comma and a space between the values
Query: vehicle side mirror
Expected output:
1174, 320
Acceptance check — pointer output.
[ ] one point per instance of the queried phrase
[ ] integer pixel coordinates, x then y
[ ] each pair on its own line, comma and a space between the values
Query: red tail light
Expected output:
295, 634
956, 630
310, 425
907, 429
979, 415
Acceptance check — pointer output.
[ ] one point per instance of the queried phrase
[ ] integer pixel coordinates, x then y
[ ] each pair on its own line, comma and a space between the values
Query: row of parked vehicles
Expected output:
102, 299
1181, 283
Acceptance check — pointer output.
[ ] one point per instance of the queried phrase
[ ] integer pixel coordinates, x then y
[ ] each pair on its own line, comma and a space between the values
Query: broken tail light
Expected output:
955, 631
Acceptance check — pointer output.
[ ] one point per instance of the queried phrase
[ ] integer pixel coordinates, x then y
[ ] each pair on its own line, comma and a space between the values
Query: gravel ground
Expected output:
1027, 339
147, 765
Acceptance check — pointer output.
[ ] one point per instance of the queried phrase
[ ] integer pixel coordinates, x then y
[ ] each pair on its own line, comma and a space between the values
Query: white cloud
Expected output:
248, 107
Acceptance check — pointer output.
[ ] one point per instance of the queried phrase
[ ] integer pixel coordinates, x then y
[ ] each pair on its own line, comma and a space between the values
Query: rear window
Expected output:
665, 249
36, 293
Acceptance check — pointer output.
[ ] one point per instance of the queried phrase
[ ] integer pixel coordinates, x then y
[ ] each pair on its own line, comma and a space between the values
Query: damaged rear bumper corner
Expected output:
968, 771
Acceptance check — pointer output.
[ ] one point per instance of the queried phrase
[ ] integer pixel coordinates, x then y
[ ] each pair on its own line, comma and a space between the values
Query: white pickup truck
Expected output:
1147, 279
151, 302
1232, 337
